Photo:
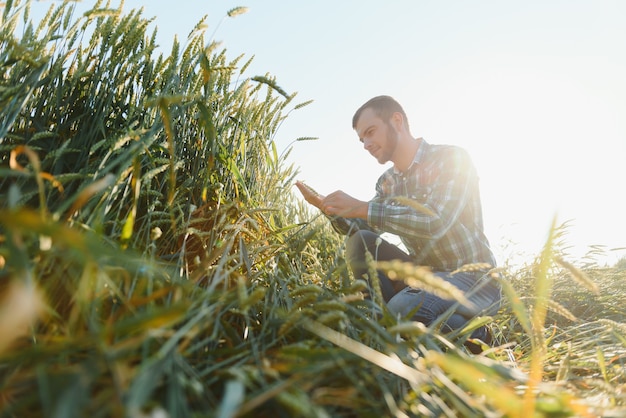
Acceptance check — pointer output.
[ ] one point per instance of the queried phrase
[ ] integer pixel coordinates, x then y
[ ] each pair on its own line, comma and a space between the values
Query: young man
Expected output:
444, 231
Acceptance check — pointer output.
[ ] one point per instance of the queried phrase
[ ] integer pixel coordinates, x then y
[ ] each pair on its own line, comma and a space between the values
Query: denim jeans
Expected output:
482, 291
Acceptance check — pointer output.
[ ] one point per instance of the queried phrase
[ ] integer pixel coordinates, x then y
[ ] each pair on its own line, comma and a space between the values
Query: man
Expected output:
443, 230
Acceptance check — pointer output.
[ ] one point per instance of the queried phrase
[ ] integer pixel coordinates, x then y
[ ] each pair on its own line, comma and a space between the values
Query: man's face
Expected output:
379, 138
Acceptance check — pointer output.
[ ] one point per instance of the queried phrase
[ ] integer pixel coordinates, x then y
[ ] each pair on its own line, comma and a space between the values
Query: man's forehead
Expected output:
367, 117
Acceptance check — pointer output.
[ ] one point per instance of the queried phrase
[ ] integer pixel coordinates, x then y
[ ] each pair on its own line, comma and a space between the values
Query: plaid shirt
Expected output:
444, 230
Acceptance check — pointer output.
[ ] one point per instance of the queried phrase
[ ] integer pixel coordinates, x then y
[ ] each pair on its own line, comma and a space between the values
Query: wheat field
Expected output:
155, 263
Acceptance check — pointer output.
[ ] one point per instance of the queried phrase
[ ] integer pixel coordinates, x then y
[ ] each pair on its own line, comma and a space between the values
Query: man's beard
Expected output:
390, 146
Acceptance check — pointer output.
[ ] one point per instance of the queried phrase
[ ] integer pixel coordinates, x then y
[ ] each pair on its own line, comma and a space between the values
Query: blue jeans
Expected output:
482, 291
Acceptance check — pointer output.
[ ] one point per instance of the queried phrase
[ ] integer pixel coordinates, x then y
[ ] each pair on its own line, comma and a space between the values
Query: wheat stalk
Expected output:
421, 277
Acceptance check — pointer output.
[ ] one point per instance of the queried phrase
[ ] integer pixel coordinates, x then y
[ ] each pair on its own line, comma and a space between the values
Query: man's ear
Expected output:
398, 121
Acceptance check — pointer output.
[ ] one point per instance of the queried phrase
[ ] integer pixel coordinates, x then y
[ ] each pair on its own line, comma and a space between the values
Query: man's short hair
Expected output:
383, 106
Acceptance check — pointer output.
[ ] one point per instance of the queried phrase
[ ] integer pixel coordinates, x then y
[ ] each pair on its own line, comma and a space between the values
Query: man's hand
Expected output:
342, 204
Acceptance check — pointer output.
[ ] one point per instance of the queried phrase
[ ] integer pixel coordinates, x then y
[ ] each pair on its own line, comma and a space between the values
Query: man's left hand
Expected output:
342, 204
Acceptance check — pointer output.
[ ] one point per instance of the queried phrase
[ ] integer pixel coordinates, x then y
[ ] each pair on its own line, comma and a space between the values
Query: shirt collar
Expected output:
419, 156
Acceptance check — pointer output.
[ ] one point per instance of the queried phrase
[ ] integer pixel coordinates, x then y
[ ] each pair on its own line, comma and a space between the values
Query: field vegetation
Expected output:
154, 261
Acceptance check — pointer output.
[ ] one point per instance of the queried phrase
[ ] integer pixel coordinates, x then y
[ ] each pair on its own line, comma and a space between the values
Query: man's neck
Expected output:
405, 153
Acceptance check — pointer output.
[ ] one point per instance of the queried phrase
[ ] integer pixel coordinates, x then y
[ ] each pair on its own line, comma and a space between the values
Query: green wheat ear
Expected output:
236, 11
271, 82
301, 105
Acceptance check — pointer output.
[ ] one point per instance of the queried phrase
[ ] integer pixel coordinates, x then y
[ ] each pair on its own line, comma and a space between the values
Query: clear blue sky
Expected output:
535, 90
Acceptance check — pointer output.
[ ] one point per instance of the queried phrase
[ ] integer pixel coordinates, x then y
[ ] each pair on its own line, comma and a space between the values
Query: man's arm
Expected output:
454, 180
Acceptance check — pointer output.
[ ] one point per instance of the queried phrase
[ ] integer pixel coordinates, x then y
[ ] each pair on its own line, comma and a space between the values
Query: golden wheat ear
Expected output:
309, 188
472, 267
